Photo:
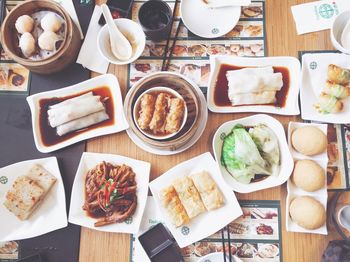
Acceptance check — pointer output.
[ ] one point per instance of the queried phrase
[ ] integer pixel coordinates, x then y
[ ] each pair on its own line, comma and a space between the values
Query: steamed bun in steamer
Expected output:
24, 24
47, 40
50, 22
27, 44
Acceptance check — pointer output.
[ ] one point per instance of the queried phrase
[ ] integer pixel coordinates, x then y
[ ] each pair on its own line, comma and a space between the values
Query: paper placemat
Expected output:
258, 229
338, 177
191, 53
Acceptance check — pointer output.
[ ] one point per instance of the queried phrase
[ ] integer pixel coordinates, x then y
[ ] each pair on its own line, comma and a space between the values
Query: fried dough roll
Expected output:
328, 104
160, 112
146, 110
336, 90
338, 75
175, 115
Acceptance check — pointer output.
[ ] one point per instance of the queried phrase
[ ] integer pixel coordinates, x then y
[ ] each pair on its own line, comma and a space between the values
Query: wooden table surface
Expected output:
282, 40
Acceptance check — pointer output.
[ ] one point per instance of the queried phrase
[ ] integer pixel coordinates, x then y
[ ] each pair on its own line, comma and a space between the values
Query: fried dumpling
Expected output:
336, 90
338, 75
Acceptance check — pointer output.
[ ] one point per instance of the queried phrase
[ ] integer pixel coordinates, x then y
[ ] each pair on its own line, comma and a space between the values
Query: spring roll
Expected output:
146, 110
208, 190
68, 101
82, 122
338, 75
336, 90
175, 115
172, 204
189, 196
75, 110
160, 112
327, 104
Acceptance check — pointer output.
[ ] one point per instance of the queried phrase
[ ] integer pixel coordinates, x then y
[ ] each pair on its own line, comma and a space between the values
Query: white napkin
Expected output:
319, 15
224, 3
69, 6
89, 56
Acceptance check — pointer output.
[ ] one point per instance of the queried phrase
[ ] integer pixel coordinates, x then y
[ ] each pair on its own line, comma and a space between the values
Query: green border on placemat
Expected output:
343, 142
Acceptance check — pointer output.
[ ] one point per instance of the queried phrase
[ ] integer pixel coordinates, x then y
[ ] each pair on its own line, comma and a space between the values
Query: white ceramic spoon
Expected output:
120, 46
344, 217
345, 37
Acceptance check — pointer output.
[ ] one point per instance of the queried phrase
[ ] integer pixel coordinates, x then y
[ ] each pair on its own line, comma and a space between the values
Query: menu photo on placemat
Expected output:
190, 56
14, 78
9, 251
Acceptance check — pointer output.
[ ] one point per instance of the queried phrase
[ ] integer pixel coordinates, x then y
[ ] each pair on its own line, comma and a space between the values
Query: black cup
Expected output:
155, 18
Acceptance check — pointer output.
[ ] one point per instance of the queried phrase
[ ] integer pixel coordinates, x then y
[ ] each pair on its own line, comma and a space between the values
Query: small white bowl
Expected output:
159, 89
132, 31
337, 30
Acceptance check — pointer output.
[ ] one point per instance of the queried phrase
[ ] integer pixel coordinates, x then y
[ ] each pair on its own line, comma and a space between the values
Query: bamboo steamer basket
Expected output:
64, 56
188, 92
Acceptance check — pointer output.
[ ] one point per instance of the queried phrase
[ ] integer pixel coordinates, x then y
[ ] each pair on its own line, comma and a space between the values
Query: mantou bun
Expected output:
309, 140
308, 175
307, 212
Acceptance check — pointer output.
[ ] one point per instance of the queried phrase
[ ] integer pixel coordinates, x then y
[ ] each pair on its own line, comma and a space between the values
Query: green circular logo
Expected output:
185, 231
313, 65
222, 136
128, 221
3, 180
326, 11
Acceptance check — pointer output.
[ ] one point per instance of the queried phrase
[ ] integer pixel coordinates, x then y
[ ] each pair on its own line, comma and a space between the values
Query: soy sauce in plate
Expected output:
48, 134
221, 98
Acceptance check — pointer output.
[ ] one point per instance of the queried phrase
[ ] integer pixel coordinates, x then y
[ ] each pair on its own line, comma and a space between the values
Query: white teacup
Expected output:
337, 30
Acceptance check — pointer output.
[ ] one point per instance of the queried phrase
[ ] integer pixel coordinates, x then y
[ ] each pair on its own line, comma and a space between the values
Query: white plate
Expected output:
314, 76
89, 160
208, 22
120, 122
293, 65
286, 160
293, 191
50, 215
207, 223
140, 143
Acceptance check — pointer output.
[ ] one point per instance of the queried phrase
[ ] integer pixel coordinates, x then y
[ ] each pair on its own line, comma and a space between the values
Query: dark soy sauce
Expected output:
221, 88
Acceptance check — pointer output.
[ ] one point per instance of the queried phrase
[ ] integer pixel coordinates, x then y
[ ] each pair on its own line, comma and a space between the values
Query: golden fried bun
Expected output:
308, 175
309, 140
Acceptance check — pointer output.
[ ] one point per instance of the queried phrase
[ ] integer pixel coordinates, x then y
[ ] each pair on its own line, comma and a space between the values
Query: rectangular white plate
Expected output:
206, 223
314, 76
120, 122
89, 160
293, 65
293, 191
50, 215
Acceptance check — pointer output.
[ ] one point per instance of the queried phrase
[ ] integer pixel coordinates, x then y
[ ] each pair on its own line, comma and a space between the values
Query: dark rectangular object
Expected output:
160, 245
119, 9
32, 258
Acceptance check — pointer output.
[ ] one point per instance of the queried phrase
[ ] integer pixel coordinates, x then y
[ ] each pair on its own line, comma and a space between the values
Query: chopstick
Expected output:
166, 66
229, 243
169, 36
223, 243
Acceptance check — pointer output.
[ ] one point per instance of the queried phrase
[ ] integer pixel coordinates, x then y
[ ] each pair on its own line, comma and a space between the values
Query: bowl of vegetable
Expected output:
253, 153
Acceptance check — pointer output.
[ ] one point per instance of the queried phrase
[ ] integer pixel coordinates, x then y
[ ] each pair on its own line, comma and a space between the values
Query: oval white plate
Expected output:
293, 65
208, 22
120, 122
287, 162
